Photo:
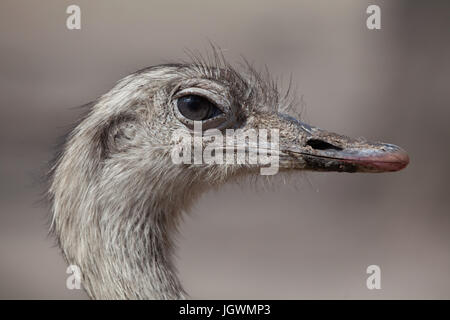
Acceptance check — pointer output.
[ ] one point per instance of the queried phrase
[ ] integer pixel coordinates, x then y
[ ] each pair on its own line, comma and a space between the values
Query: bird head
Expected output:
139, 120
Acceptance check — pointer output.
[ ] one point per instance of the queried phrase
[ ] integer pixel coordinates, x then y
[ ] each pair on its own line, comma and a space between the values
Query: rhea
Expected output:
117, 196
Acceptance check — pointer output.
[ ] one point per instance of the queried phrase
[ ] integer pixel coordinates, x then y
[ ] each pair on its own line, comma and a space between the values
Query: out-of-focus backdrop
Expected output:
314, 241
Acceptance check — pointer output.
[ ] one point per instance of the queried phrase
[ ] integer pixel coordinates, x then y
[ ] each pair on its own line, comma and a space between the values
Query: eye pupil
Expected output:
197, 108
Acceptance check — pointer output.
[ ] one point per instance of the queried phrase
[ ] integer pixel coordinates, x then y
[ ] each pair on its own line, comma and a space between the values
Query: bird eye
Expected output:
197, 108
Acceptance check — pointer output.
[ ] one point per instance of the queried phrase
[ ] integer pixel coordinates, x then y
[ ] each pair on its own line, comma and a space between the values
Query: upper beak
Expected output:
319, 150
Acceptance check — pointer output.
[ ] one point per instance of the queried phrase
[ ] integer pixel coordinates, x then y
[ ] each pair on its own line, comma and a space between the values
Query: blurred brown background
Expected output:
315, 241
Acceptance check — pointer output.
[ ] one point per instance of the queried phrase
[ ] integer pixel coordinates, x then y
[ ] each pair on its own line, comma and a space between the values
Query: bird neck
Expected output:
127, 255
119, 234
137, 258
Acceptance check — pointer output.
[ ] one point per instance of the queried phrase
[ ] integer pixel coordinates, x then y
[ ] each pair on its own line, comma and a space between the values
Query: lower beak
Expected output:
388, 158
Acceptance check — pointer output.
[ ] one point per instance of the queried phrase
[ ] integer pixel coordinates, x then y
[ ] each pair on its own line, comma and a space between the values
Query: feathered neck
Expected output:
115, 222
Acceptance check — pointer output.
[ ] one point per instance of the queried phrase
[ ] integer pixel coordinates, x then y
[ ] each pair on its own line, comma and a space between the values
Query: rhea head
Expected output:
116, 193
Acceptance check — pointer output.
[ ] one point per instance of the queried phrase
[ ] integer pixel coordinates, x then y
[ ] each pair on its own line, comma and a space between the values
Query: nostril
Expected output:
322, 145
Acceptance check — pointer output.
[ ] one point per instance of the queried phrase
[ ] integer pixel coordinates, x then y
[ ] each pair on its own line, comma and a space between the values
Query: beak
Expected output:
306, 147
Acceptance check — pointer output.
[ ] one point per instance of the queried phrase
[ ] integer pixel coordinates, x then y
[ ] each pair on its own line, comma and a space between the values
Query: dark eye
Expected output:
197, 108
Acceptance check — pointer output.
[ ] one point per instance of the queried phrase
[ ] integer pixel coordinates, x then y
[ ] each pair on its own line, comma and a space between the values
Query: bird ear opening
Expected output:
118, 135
